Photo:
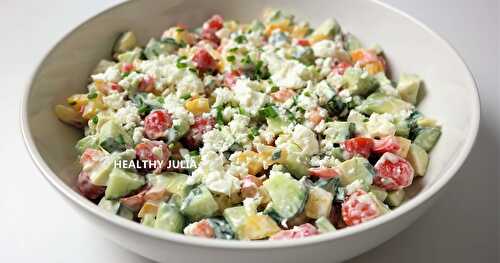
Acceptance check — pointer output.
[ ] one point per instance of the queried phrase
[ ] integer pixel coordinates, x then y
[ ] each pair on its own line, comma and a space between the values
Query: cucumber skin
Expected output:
169, 218
324, 225
427, 138
395, 198
281, 186
418, 159
121, 183
199, 204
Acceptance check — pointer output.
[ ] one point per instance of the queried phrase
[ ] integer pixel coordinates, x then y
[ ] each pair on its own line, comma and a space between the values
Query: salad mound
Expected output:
267, 130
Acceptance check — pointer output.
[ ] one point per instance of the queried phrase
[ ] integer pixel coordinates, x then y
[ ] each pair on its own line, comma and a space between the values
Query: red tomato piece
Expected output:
146, 152
201, 125
156, 123
87, 188
386, 144
210, 27
358, 146
393, 172
127, 67
231, 77
115, 87
340, 68
324, 172
283, 94
147, 84
201, 228
304, 230
204, 61
359, 207
303, 42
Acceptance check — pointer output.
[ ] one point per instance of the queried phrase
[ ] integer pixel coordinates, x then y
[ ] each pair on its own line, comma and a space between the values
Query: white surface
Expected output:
37, 225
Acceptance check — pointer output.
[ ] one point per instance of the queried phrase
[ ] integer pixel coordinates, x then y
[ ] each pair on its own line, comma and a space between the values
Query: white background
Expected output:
36, 225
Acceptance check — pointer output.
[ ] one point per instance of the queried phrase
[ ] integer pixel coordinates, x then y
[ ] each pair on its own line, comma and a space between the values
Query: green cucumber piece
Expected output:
354, 169
155, 48
304, 55
358, 82
427, 138
352, 42
130, 56
112, 137
402, 127
111, 206
90, 141
235, 216
408, 87
125, 212
169, 218
100, 174
296, 163
329, 28
148, 220
126, 41
199, 204
175, 183
395, 198
380, 193
381, 103
339, 131
287, 194
121, 183
418, 158
324, 225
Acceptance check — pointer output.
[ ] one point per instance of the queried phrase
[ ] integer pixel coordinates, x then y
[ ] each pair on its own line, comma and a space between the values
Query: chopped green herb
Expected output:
194, 153
275, 88
240, 39
181, 65
92, 96
231, 58
95, 119
276, 155
180, 30
268, 112
234, 49
254, 131
120, 140
219, 117
186, 96
161, 99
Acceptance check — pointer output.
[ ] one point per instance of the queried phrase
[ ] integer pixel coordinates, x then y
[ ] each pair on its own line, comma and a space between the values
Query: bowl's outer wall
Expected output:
450, 98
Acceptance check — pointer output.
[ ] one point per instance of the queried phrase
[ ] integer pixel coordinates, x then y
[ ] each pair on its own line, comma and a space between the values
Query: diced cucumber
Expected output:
287, 194
130, 56
402, 127
102, 66
352, 42
112, 137
100, 174
319, 203
155, 48
408, 87
169, 218
296, 162
324, 225
111, 206
380, 193
418, 159
329, 185
126, 41
121, 183
148, 220
199, 204
304, 55
178, 131
427, 138
257, 227
339, 131
174, 183
395, 198
381, 103
235, 216
86, 142
222, 229
358, 81
276, 125
328, 28
354, 169
126, 213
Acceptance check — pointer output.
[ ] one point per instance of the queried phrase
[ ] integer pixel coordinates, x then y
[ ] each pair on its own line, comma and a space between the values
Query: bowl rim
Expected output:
418, 200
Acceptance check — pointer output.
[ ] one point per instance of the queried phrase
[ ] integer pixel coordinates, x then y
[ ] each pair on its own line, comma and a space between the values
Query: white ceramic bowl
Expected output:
451, 97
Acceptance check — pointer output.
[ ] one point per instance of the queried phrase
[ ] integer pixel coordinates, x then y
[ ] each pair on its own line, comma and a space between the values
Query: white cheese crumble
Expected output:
305, 139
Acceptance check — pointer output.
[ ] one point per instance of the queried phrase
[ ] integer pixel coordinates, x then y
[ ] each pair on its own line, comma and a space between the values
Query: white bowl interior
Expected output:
450, 94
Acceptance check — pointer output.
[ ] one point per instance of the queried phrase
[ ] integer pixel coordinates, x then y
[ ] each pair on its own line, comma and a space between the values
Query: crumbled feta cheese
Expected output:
305, 139
128, 116
218, 140
239, 128
291, 74
138, 135
248, 98
324, 48
380, 125
114, 100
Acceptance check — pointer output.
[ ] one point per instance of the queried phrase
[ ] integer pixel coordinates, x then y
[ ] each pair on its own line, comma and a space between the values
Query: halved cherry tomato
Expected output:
146, 152
386, 144
147, 84
201, 125
156, 123
231, 77
358, 146
210, 27
324, 172
303, 42
204, 61
201, 228
283, 94
115, 87
87, 188
359, 207
127, 67
393, 172
340, 68
304, 230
